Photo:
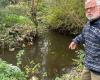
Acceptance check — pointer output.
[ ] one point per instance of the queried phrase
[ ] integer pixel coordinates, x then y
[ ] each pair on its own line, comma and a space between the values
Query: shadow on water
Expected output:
51, 51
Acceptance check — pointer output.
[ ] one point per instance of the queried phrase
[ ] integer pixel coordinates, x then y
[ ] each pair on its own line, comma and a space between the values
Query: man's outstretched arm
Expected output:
77, 40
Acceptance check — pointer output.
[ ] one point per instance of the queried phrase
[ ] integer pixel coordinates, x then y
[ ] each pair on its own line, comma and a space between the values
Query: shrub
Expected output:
67, 14
4, 3
14, 17
10, 72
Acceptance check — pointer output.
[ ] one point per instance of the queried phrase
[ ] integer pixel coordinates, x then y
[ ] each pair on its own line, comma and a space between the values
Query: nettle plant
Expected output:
10, 72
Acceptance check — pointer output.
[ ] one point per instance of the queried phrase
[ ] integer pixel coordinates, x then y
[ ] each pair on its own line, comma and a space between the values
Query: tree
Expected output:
34, 13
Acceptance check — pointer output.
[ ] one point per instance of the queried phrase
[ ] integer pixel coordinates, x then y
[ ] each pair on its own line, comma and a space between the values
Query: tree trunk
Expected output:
34, 13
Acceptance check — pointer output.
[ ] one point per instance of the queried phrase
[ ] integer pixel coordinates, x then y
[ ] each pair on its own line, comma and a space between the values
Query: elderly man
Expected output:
90, 36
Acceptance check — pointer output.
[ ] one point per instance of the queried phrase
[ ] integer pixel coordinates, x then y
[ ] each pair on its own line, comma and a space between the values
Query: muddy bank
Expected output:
66, 31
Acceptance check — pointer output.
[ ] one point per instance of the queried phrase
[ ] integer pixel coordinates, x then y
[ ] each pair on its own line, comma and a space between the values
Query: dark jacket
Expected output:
90, 36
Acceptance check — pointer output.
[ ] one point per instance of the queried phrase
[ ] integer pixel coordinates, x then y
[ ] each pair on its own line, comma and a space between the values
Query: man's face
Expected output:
92, 13
92, 10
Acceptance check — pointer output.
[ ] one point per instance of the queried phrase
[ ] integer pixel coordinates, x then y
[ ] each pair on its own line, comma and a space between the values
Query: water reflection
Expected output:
51, 51
59, 56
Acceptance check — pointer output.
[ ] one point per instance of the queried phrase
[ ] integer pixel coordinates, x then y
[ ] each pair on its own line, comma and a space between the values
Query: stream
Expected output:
51, 51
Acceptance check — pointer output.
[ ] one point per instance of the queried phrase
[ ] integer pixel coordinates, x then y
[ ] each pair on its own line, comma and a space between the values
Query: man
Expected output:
90, 36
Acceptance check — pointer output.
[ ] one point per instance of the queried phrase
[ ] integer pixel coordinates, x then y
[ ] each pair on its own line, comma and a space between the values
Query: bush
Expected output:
14, 17
10, 72
80, 61
4, 3
21, 9
69, 15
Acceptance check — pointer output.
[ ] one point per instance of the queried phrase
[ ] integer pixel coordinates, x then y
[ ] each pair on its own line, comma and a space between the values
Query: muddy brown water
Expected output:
51, 51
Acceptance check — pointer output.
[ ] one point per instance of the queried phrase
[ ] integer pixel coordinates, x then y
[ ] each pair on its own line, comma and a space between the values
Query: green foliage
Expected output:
68, 77
14, 17
19, 57
32, 68
42, 9
15, 14
79, 62
10, 72
67, 14
55, 17
75, 73
4, 3
21, 9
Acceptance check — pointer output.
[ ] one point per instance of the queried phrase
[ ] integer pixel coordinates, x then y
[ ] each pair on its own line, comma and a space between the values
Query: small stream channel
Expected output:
51, 51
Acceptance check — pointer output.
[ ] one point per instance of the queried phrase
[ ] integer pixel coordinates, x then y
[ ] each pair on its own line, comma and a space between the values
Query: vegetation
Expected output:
32, 69
21, 22
75, 73
15, 24
10, 72
30, 15
68, 16
19, 57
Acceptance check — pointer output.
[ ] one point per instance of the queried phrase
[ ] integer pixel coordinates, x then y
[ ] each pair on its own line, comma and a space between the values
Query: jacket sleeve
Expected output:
80, 38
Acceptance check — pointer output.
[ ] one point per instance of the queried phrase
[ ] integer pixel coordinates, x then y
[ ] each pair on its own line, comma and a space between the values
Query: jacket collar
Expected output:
95, 23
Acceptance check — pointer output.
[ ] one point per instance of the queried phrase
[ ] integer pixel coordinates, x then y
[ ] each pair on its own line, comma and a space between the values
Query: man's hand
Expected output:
72, 45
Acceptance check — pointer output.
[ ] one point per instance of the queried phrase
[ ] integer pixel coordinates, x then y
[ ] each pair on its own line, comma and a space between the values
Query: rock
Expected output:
23, 45
11, 49
34, 78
